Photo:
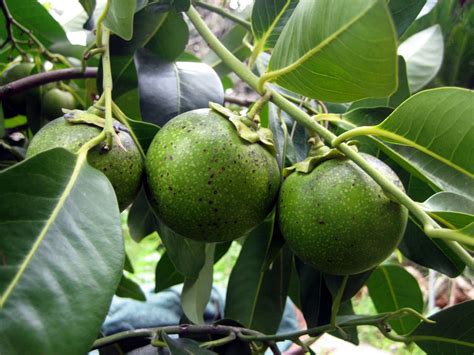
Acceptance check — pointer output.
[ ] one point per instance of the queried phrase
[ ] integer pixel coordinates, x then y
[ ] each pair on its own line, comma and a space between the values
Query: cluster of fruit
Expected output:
210, 185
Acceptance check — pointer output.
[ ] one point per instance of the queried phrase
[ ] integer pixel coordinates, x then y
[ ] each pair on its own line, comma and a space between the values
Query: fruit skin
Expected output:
54, 101
208, 184
16, 104
338, 219
122, 168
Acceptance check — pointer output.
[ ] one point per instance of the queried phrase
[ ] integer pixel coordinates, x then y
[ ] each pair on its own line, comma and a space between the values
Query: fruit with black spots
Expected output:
338, 219
123, 167
207, 183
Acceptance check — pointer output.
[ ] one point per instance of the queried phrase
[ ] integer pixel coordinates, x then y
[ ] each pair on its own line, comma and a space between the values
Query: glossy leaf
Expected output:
166, 274
62, 245
453, 332
403, 90
129, 103
257, 289
168, 89
423, 54
353, 285
431, 253
184, 346
315, 297
233, 40
129, 289
268, 20
141, 219
343, 59
119, 18
455, 210
404, 12
391, 288
145, 132
196, 292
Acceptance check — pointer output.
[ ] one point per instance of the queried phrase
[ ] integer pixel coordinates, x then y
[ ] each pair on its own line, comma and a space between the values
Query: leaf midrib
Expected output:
81, 158
268, 32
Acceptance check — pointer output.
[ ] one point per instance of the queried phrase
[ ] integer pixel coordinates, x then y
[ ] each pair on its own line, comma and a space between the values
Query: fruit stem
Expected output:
107, 84
303, 118
337, 300
122, 118
258, 105
98, 38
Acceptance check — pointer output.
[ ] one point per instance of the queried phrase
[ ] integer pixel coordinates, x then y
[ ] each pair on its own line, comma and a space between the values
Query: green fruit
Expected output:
16, 104
338, 219
209, 184
122, 167
54, 101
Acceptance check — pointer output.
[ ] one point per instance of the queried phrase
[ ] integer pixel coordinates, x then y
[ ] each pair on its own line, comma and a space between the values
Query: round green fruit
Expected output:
54, 101
122, 167
16, 104
208, 184
338, 219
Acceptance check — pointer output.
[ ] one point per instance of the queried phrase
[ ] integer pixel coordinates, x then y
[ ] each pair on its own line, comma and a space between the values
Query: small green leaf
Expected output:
423, 54
128, 288
453, 332
141, 219
61, 245
391, 288
353, 285
343, 59
119, 18
166, 274
196, 292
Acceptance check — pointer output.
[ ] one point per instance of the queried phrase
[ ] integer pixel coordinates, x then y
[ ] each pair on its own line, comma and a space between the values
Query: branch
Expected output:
238, 100
44, 78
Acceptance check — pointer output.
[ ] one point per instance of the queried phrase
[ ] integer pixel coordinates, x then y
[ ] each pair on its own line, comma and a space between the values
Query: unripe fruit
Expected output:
338, 219
208, 183
54, 101
122, 167
16, 104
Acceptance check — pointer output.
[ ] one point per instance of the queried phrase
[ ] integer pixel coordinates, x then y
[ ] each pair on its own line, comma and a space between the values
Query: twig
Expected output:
44, 78
237, 101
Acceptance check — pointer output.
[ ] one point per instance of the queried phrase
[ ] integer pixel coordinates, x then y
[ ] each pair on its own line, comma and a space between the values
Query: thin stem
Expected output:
122, 118
98, 26
44, 78
302, 117
337, 300
107, 84
258, 105
218, 342
92, 143
9, 27
223, 13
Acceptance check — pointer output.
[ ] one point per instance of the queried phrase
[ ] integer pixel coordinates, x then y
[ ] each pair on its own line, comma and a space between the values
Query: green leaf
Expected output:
129, 103
437, 122
184, 346
233, 40
258, 284
353, 285
329, 51
430, 253
345, 310
168, 89
2, 122
456, 211
196, 292
119, 18
88, 5
268, 20
61, 245
145, 132
404, 12
391, 288
170, 41
166, 274
423, 54
128, 288
141, 219
453, 332
403, 91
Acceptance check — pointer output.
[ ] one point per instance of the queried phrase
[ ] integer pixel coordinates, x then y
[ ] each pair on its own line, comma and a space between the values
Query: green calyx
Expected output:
318, 153
247, 129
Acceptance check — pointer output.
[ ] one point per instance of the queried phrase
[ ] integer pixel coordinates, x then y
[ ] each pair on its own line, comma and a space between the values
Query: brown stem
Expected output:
237, 100
44, 78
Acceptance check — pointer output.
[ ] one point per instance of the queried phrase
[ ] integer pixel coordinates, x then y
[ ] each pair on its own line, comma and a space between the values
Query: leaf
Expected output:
196, 292
268, 20
129, 103
345, 310
88, 5
145, 132
280, 132
166, 274
61, 245
257, 289
315, 297
343, 59
423, 54
128, 288
404, 12
391, 288
233, 40
457, 211
168, 89
453, 332
119, 18
430, 253
170, 41
184, 346
403, 91
141, 219
353, 285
